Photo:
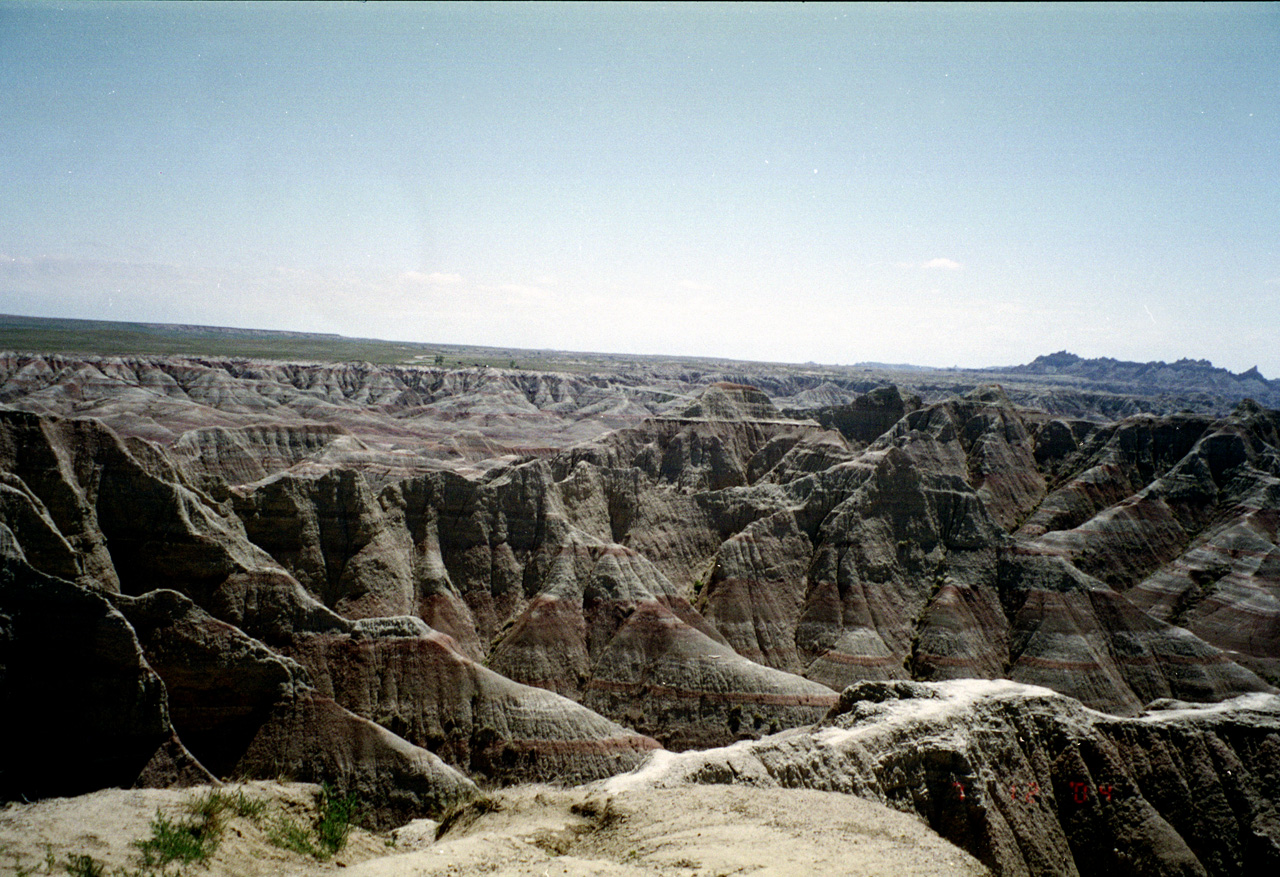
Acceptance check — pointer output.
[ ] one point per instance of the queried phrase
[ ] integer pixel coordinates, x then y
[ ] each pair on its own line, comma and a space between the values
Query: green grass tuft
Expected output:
334, 818
85, 866
329, 831
185, 842
289, 835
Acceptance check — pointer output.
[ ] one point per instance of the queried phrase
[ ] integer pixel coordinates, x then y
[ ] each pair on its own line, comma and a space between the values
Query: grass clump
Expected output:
334, 818
193, 840
85, 866
328, 832
185, 842
287, 834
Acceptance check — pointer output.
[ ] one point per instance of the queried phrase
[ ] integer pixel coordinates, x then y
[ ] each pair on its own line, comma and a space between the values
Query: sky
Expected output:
952, 185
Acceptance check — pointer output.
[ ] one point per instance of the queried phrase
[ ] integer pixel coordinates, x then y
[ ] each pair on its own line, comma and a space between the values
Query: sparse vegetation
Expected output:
194, 840
288, 834
602, 813
85, 866
328, 834
185, 842
177, 844
335, 815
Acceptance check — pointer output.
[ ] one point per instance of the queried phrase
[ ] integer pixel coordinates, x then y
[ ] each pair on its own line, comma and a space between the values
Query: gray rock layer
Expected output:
1031, 782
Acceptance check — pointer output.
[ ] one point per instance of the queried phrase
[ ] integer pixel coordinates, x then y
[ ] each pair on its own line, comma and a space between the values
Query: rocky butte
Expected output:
1056, 639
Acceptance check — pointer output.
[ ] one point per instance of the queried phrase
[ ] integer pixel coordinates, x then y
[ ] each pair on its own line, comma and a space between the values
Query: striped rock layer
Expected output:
716, 572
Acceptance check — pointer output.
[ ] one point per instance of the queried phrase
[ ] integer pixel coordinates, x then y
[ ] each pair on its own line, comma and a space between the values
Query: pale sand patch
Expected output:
526, 830
691, 830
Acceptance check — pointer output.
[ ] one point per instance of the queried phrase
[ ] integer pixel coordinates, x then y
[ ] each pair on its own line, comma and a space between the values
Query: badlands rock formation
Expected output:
1030, 782
404, 579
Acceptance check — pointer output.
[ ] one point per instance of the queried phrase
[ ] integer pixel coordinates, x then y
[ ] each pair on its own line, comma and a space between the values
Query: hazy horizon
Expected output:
943, 186
338, 336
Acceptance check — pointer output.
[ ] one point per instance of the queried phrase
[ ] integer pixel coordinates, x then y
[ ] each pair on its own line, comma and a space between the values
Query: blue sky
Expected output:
942, 185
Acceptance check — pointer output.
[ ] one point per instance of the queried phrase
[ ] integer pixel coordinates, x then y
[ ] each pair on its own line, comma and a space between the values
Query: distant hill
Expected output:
1151, 378
1062, 383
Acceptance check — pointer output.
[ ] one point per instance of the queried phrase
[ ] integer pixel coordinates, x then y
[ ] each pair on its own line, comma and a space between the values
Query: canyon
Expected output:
422, 583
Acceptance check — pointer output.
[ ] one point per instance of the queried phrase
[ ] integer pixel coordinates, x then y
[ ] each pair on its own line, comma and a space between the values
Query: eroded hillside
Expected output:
407, 581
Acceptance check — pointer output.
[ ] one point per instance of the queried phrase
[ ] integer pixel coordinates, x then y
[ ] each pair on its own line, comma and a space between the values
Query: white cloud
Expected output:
694, 286
944, 264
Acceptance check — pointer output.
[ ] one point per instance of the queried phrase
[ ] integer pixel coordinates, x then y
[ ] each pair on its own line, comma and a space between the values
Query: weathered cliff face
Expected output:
1195, 545
865, 418
331, 534
1095, 644
524, 568
1030, 782
74, 483
251, 453
242, 420
217, 642
418, 683
46, 505
711, 574
984, 440
83, 710
244, 710
889, 563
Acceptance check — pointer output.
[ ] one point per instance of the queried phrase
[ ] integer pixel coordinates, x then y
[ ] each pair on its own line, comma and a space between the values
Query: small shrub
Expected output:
192, 840
334, 817
602, 813
85, 866
328, 833
210, 807
246, 807
289, 835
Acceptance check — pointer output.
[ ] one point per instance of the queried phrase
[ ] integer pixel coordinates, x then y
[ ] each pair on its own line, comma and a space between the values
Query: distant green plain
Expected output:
102, 338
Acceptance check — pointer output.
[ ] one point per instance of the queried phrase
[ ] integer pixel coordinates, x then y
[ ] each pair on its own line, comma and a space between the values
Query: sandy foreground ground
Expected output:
527, 830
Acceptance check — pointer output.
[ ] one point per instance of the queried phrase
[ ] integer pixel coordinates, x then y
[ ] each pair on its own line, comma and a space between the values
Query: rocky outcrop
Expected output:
417, 682
222, 684
332, 535
868, 416
1086, 640
714, 572
982, 438
895, 533
244, 710
1192, 546
1142, 378
1106, 464
128, 528
669, 679
43, 498
83, 709
251, 453
1029, 781
727, 401
887, 564
310, 738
